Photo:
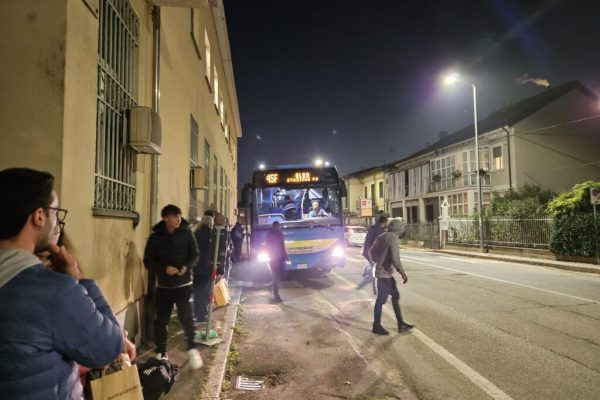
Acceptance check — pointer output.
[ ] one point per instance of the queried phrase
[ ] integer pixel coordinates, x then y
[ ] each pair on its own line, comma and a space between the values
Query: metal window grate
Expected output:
117, 66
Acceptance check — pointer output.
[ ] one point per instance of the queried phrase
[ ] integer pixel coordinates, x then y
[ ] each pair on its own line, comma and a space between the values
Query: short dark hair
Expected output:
210, 213
383, 219
275, 223
24, 190
170, 209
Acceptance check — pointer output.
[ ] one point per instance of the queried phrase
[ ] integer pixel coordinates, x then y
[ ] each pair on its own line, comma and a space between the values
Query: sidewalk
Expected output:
206, 382
570, 266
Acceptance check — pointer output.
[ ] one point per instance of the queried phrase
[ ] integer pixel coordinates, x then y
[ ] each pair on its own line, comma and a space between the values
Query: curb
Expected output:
216, 374
530, 261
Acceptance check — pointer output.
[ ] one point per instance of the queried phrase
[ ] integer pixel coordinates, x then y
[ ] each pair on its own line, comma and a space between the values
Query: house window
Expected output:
381, 189
366, 193
206, 173
373, 192
117, 71
222, 190
193, 212
458, 205
216, 88
207, 56
214, 183
221, 108
497, 158
441, 173
406, 184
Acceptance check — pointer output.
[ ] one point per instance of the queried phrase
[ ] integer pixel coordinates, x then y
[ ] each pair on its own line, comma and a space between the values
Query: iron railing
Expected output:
506, 232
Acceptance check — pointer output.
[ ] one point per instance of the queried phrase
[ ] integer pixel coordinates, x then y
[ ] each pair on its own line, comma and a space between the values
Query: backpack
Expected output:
157, 377
378, 251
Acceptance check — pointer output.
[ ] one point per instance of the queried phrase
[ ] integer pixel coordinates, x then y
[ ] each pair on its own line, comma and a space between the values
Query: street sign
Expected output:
595, 195
366, 208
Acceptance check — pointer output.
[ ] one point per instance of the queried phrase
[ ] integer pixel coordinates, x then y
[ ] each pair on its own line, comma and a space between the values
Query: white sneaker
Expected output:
195, 359
161, 356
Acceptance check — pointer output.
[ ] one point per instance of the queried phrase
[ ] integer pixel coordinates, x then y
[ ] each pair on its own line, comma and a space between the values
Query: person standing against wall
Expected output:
172, 252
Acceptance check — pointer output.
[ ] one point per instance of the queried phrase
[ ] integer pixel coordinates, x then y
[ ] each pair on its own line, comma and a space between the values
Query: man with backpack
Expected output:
374, 231
386, 253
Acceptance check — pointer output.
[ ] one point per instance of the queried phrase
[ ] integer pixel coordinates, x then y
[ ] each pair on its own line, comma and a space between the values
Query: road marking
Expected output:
492, 390
509, 282
478, 380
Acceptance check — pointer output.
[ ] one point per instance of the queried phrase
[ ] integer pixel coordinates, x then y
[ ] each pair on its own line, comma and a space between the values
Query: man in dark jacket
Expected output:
203, 269
172, 252
374, 231
277, 255
237, 237
50, 318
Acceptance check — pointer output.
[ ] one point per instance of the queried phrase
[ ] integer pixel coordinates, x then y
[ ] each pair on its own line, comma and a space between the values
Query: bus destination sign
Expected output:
290, 177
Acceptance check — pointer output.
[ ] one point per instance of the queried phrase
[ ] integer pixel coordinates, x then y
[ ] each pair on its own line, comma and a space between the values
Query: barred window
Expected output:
193, 212
206, 173
117, 69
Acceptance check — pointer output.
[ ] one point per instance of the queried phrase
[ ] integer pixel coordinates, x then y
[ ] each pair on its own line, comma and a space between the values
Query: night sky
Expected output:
358, 82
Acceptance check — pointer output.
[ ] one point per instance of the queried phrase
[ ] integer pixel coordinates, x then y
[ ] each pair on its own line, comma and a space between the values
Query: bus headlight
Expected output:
338, 251
263, 256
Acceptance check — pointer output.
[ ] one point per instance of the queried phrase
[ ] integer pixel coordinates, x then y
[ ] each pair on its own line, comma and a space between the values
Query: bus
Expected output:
287, 194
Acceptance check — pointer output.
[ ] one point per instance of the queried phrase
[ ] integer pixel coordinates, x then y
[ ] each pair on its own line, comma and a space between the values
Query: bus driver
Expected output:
317, 211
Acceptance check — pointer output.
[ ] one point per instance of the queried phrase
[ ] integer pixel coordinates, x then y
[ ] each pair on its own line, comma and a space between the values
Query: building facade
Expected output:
366, 184
84, 78
549, 140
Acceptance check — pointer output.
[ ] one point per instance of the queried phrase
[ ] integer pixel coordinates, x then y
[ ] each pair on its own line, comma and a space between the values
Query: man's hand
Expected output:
404, 278
128, 346
171, 270
63, 262
183, 270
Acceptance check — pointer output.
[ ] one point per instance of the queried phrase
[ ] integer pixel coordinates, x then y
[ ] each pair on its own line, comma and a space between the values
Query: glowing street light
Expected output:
261, 166
318, 162
327, 163
450, 80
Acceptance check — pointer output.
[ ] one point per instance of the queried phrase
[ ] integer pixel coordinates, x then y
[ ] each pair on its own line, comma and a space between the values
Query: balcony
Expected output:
439, 183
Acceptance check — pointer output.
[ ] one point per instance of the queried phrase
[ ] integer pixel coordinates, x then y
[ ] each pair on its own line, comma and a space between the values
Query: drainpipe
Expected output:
149, 304
507, 130
156, 108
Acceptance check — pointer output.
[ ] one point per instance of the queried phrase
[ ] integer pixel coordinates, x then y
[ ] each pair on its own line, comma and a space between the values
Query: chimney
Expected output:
442, 134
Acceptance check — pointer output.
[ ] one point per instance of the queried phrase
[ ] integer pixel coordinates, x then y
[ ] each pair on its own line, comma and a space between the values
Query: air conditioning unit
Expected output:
197, 178
145, 131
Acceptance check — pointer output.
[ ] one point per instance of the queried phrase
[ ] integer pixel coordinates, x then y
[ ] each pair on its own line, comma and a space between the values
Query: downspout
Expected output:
507, 130
155, 108
149, 304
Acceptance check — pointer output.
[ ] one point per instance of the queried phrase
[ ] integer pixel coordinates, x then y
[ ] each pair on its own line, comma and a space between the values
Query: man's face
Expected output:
172, 221
47, 232
315, 206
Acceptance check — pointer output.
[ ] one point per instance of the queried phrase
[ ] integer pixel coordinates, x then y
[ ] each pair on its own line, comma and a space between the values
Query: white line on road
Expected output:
478, 380
416, 260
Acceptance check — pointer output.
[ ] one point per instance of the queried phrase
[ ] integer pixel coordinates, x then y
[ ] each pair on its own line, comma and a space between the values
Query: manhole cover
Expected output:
250, 382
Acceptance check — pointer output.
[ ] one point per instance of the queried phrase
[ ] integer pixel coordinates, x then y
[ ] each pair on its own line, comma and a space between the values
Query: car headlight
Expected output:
338, 251
263, 256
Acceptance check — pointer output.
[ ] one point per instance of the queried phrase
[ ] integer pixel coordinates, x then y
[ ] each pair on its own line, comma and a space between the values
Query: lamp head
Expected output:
452, 78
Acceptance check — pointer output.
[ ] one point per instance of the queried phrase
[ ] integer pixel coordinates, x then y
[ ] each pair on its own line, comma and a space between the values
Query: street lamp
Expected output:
450, 80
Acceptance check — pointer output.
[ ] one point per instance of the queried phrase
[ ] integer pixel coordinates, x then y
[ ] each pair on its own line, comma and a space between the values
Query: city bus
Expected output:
287, 194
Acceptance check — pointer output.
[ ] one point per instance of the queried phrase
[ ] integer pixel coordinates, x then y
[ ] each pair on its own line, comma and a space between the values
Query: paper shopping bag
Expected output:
222, 293
120, 385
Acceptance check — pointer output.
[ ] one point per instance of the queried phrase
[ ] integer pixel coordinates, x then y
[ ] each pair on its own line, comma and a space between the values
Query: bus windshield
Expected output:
298, 206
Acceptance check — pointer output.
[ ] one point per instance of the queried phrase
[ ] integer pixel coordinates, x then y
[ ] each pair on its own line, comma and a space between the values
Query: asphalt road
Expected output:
484, 329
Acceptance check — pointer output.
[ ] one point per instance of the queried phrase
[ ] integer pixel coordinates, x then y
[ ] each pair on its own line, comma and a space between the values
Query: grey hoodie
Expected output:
388, 245
13, 261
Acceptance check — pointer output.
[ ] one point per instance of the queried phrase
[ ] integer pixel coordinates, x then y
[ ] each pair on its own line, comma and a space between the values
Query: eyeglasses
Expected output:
61, 213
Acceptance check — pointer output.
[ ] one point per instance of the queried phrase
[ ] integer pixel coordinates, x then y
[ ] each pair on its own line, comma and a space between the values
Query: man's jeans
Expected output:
202, 286
165, 298
385, 288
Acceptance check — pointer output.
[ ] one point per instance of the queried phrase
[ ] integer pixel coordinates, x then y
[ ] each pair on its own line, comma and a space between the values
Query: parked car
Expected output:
355, 235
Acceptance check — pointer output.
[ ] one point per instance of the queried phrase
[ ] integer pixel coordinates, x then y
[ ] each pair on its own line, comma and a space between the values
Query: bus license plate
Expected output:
302, 266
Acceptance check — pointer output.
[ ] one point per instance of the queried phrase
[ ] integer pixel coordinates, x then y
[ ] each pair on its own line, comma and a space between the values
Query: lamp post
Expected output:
451, 79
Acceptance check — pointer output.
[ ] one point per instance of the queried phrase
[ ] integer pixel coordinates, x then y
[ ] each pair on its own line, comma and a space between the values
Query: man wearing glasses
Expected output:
50, 319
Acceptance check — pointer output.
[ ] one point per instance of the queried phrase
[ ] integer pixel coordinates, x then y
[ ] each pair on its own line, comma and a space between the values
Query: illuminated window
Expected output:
216, 88
207, 55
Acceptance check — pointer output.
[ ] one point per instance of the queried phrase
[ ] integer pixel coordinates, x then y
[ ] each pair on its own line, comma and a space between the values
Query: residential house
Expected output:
131, 105
365, 184
550, 140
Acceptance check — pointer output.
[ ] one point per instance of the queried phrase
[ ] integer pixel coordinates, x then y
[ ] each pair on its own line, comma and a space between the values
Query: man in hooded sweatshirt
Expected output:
172, 252
386, 252
50, 318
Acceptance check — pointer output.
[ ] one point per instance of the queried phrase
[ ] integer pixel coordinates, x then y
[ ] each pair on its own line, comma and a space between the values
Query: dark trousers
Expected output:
237, 250
385, 288
276, 271
202, 286
165, 298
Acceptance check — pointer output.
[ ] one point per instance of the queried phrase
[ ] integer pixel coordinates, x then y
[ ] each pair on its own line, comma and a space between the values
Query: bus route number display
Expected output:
302, 177
272, 179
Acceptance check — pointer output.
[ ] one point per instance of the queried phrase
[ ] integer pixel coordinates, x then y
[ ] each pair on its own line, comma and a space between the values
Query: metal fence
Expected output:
426, 232
507, 232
